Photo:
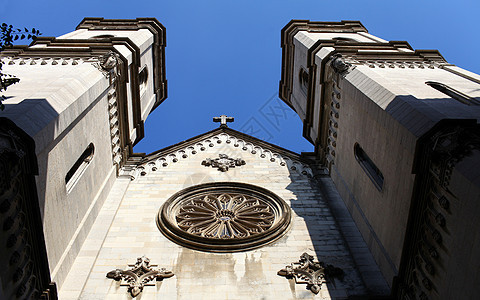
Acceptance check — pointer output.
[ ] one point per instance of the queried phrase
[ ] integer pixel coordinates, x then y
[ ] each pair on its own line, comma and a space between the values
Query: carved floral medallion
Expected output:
139, 275
224, 217
309, 272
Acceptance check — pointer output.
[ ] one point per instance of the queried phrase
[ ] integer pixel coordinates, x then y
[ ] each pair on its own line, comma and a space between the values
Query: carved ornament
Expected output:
313, 274
340, 65
169, 158
223, 162
107, 63
139, 275
224, 217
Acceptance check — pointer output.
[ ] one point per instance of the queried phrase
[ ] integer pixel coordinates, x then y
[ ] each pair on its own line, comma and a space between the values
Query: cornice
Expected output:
172, 154
287, 34
160, 42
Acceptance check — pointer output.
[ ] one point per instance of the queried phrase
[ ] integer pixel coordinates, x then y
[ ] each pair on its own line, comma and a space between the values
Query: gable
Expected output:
210, 145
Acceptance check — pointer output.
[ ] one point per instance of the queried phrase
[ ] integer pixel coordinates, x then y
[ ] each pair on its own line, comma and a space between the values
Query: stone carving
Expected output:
223, 163
107, 63
168, 158
313, 274
25, 272
113, 116
339, 65
139, 275
225, 216
393, 62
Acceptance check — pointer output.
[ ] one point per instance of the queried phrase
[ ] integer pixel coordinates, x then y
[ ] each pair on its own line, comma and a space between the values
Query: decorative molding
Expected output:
223, 163
114, 121
139, 275
42, 61
333, 116
401, 63
426, 251
313, 274
174, 156
224, 217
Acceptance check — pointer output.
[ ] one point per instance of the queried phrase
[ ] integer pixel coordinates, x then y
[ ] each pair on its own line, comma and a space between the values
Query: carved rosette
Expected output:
313, 274
224, 217
139, 275
223, 162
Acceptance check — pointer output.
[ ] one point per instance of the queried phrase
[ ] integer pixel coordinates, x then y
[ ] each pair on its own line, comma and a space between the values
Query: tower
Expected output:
70, 125
398, 130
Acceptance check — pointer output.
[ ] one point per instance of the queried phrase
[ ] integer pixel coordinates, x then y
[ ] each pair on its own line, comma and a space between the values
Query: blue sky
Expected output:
224, 57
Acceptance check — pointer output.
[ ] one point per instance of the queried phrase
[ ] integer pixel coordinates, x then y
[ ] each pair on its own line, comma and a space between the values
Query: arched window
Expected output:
303, 79
143, 79
452, 93
76, 171
368, 166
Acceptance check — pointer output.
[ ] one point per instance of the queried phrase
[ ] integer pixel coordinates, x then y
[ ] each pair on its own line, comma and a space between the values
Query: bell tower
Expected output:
395, 128
82, 99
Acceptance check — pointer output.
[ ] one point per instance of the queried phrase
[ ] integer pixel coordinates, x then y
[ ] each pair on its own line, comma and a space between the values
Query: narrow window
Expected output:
344, 40
103, 36
79, 167
303, 78
368, 166
452, 93
142, 79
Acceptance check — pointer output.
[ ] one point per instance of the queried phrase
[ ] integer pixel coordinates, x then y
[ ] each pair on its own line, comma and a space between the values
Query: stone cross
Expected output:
223, 119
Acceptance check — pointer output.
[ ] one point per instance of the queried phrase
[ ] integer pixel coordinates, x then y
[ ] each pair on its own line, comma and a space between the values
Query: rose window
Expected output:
224, 217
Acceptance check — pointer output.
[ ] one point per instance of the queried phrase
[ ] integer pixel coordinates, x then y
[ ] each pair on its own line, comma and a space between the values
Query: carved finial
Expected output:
223, 119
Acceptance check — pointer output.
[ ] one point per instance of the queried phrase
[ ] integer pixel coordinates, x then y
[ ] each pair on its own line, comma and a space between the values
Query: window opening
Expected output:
344, 39
369, 166
76, 171
103, 36
142, 79
303, 78
452, 93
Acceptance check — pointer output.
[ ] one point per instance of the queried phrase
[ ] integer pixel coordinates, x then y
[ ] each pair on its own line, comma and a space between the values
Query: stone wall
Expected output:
202, 275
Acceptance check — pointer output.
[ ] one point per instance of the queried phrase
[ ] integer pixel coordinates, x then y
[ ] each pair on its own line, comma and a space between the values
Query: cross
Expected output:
223, 119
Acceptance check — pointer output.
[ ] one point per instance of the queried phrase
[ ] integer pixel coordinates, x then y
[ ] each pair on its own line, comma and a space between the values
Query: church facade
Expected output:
384, 207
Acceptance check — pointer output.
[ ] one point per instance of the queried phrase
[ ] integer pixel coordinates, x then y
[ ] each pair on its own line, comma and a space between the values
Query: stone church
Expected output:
384, 208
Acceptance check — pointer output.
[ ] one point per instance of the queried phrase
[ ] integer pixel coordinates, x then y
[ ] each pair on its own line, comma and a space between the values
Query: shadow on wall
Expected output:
314, 198
35, 116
